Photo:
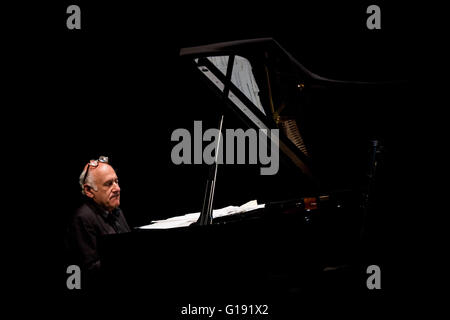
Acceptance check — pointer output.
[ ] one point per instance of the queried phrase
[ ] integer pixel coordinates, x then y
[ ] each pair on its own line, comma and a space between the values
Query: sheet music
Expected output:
188, 219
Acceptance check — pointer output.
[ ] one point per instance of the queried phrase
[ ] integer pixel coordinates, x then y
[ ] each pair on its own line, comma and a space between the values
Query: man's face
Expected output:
108, 190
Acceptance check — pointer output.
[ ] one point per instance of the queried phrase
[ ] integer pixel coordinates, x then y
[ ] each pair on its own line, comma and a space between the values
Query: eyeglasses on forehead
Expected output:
94, 163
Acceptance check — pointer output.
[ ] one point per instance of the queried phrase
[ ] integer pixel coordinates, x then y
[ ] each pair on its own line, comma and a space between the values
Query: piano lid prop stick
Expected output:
206, 215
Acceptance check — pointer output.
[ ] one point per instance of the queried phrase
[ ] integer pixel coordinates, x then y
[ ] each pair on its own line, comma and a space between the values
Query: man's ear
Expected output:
88, 191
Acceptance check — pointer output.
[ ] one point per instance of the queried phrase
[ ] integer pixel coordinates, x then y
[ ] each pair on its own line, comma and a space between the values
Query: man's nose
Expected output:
116, 187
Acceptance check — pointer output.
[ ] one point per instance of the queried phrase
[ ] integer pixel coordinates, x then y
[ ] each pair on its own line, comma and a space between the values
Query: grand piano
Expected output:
318, 211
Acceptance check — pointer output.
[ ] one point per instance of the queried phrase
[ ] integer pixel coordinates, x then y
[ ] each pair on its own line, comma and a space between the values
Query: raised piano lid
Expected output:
266, 87
231, 68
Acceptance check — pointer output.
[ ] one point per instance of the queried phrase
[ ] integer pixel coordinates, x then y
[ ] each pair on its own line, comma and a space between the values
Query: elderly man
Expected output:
99, 215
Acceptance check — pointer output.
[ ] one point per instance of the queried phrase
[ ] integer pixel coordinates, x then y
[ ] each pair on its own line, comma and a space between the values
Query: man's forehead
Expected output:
104, 172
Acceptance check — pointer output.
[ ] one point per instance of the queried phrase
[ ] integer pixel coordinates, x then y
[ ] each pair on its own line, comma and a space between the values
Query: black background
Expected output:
113, 88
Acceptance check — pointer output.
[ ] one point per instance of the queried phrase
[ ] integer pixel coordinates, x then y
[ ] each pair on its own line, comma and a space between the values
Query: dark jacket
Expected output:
86, 226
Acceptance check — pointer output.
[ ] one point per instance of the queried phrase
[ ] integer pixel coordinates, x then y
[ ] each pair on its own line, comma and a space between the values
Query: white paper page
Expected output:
188, 219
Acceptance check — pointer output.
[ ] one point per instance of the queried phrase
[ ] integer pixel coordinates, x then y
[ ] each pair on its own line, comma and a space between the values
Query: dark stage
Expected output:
118, 87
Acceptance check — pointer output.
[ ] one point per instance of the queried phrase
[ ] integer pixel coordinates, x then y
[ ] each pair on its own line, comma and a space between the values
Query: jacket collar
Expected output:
101, 211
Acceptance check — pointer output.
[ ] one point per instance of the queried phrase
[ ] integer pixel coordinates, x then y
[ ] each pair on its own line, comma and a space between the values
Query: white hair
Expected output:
90, 181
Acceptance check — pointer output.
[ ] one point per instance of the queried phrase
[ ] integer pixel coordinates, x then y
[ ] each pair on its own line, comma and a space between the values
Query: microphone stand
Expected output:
375, 148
